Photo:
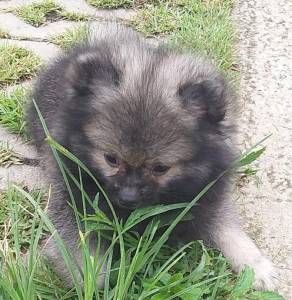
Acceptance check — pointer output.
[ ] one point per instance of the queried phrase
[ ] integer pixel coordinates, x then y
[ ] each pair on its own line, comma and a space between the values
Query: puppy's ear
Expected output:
88, 70
208, 96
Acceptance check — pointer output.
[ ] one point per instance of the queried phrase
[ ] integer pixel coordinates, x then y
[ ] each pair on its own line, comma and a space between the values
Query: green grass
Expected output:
201, 26
14, 203
197, 25
72, 16
8, 156
16, 64
111, 3
11, 109
21, 230
124, 3
70, 37
159, 19
146, 268
38, 14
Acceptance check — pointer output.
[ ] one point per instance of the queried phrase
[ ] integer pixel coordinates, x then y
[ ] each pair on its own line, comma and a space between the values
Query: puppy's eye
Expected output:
159, 170
111, 160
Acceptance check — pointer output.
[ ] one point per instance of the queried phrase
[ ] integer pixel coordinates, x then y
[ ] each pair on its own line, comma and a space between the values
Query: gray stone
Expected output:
123, 14
16, 142
28, 175
22, 175
264, 48
78, 6
15, 3
17, 27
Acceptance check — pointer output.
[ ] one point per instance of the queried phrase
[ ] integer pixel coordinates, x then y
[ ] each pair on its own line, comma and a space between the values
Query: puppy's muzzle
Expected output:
129, 198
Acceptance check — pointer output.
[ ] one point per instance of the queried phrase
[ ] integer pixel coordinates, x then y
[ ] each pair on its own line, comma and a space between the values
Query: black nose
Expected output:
128, 197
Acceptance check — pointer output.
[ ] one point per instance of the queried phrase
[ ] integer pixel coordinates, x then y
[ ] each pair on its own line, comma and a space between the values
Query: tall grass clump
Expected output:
134, 266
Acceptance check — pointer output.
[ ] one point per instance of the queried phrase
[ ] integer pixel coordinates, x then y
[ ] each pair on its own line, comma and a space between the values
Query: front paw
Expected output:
266, 275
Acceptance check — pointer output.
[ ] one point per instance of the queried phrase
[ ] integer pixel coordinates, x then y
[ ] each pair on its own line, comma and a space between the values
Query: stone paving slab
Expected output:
29, 175
44, 50
72, 6
17, 143
16, 3
77, 6
23, 175
20, 29
80, 6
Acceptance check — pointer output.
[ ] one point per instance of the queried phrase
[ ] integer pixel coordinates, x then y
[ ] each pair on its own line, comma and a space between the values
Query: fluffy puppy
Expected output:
152, 125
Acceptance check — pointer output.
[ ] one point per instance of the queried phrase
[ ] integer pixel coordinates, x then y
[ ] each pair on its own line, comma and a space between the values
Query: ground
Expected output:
264, 51
263, 47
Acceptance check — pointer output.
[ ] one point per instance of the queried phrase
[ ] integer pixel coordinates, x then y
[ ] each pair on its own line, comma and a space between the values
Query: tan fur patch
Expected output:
105, 168
173, 172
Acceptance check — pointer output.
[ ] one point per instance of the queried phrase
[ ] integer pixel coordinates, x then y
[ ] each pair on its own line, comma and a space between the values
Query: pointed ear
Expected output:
88, 70
208, 96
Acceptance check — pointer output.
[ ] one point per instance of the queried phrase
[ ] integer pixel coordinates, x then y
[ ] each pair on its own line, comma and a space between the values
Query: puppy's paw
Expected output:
266, 275
241, 251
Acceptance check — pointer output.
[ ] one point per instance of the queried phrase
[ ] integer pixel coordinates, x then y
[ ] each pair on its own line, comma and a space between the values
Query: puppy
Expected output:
152, 125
